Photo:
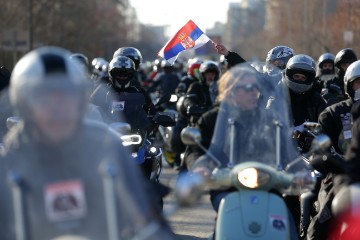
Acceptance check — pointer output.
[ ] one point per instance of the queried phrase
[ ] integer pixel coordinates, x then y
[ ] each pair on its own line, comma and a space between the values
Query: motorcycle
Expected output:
128, 108
145, 154
166, 133
345, 206
249, 158
304, 134
135, 127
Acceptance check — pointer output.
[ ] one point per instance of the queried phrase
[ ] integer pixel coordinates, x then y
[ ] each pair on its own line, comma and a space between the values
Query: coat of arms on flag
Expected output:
186, 41
190, 36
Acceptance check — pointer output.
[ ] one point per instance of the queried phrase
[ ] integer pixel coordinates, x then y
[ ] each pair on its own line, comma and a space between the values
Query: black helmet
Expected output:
277, 58
346, 55
121, 71
209, 66
42, 71
130, 52
302, 64
326, 57
352, 73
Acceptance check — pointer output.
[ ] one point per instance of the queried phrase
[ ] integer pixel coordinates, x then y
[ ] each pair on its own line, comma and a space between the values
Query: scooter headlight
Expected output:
253, 178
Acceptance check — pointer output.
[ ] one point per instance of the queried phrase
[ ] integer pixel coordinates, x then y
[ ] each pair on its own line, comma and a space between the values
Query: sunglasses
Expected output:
248, 87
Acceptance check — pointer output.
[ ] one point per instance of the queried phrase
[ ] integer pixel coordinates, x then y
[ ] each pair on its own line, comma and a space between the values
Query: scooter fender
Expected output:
252, 214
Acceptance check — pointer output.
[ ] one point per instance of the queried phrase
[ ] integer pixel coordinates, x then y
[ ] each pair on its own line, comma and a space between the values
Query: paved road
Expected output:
196, 222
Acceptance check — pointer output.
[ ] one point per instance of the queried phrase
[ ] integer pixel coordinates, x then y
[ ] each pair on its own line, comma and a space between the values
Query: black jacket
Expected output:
98, 97
165, 82
331, 122
206, 125
306, 106
303, 107
334, 90
184, 84
233, 58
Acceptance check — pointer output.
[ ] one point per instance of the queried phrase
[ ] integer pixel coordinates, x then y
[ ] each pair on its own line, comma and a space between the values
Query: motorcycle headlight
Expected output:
253, 178
128, 140
173, 98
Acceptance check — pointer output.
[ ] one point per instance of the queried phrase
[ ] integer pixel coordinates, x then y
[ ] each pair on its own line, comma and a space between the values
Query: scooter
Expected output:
253, 158
256, 210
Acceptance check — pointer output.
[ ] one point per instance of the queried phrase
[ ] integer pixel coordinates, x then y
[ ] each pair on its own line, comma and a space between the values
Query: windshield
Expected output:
247, 130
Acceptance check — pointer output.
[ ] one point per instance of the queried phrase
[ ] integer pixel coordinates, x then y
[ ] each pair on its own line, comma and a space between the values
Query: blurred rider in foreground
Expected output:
60, 175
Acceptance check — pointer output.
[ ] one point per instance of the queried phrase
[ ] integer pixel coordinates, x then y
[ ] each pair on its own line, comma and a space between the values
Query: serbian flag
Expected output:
188, 37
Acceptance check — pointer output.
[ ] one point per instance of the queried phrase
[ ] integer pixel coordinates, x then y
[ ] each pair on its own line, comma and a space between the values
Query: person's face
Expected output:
247, 93
299, 77
344, 66
121, 75
209, 77
356, 84
327, 66
56, 115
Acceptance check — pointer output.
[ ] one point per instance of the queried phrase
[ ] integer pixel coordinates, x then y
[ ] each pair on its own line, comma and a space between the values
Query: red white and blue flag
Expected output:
188, 37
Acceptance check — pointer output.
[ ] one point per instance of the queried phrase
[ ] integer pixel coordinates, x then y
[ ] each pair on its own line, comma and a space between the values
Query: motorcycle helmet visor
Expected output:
278, 64
120, 74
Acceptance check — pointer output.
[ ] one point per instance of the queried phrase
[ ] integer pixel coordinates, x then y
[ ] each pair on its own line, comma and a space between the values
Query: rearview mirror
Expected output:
190, 136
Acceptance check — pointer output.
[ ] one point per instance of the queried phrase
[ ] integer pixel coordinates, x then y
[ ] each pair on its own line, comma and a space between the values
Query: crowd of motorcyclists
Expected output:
64, 170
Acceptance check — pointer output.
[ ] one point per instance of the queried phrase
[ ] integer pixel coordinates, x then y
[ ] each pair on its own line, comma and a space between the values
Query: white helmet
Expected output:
352, 73
44, 69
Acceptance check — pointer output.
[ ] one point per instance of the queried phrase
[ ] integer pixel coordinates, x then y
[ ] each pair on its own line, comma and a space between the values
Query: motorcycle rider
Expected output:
166, 81
120, 101
52, 161
203, 93
233, 85
135, 55
343, 59
325, 70
276, 60
121, 75
99, 71
353, 76
304, 104
298, 79
239, 97
336, 121
193, 75
199, 94
348, 175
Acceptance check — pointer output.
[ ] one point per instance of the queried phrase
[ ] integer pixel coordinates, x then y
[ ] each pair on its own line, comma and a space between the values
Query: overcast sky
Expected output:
176, 13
